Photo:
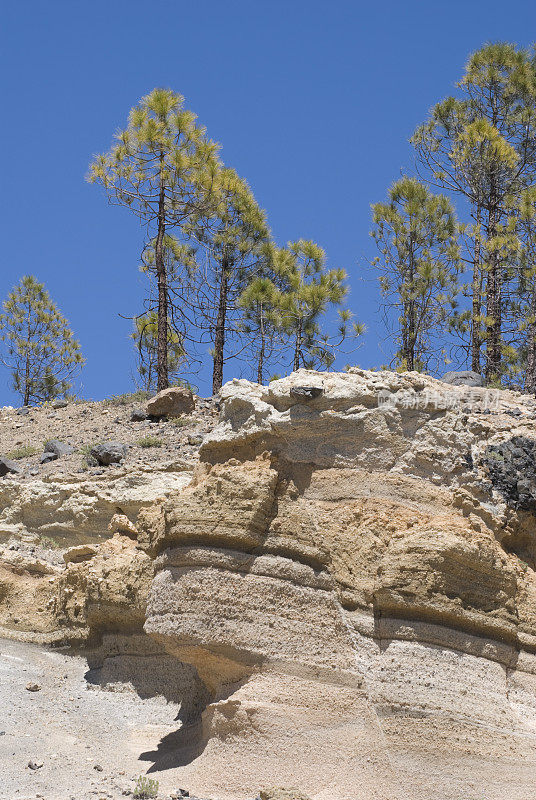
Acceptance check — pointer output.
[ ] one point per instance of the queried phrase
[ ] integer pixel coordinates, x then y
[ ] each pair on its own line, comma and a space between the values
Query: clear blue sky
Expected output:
313, 103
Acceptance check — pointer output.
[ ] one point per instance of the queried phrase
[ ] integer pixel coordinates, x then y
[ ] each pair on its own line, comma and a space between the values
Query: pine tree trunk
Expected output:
530, 378
476, 342
27, 364
410, 314
297, 348
162, 334
493, 309
260, 364
219, 336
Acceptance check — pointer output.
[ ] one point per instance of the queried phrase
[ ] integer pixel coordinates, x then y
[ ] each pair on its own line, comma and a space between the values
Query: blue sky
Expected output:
313, 103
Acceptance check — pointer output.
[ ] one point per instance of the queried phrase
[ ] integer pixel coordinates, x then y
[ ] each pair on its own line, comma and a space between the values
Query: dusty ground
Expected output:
91, 743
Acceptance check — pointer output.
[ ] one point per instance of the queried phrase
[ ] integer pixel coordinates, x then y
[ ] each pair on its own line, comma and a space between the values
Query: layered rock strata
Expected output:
355, 591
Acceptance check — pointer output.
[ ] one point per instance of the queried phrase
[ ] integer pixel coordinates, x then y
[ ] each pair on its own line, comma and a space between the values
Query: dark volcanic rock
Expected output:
58, 448
138, 415
511, 466
109, 453
8, 467
306, 392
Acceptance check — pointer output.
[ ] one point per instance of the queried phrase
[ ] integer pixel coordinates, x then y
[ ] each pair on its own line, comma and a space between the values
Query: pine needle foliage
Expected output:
161, 168
416, 235
481, 146
39, 347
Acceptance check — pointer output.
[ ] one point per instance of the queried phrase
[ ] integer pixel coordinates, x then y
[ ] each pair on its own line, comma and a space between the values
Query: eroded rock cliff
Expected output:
356, 589
343, 599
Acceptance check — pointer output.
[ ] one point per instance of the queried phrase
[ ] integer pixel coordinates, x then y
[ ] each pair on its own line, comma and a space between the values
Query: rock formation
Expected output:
355, 589
342, 600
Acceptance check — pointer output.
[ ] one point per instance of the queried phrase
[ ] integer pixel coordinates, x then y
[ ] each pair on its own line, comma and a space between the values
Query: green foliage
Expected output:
146, 788
481, 146
22, 452
291, 299
233, 231
140, 396
415, 232
149, 441
181, 422
145, 337
48, 543
162, 168
40, 349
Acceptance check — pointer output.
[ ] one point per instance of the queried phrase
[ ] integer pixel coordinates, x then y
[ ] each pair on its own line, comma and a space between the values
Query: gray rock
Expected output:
46, 457
8, 467
465, 377
138, 415
306, 392
60, 403
58, 448
35, 764
109, 453
23, 411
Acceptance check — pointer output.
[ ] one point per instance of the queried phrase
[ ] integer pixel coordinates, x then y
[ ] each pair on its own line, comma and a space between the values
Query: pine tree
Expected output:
232, 230
483, 148
40, 349
416, 235
262, 321
161, 168
145, 338
309, 289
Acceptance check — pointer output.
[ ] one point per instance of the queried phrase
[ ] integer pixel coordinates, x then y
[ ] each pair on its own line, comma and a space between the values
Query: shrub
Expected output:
48, 543
145, 788
23, 452
149, 441
181, 422
129, 397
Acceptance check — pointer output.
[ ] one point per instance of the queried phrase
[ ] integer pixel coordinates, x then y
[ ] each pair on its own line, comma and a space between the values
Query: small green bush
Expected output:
47, 542
149, 441
87, 448
23, 452
129, 397
180, 422
145, 788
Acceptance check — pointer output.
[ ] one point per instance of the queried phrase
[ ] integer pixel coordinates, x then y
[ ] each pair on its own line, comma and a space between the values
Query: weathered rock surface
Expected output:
464, 377
349, 583
8, 467
171, 402
342, 599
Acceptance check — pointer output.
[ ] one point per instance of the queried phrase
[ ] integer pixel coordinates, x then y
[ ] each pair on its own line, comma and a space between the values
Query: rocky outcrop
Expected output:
350, 583
76, 508
342, 599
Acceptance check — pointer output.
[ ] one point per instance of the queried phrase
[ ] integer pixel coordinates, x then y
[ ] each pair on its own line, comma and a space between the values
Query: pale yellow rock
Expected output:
120, 523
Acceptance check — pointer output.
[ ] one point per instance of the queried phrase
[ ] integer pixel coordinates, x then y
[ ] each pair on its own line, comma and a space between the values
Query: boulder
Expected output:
138, 415
306, 392
23, 411
8, 467
120, 523
57, 448
465, 377
79, 553
171, 402
109, 453
60, 403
